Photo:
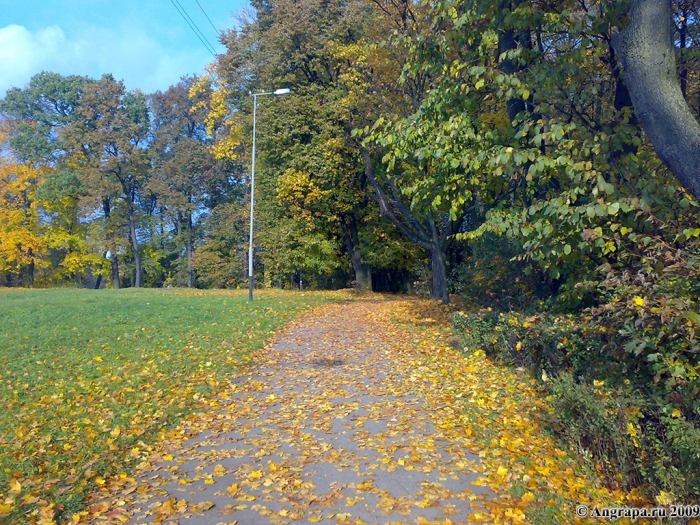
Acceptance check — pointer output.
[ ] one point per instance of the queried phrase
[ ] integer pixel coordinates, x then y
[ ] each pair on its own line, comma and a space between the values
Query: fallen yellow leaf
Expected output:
528, 497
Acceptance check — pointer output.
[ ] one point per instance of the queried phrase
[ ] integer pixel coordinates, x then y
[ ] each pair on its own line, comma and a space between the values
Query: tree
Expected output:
39, 112
187, 179
73, 251
321, 188
37, 115
220, 259
21, 240
325, 52
108, 141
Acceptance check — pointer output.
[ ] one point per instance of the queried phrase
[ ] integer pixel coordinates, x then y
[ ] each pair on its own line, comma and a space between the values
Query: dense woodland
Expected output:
536, 158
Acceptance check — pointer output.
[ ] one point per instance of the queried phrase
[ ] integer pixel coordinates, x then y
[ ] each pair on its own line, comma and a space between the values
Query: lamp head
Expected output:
283, 91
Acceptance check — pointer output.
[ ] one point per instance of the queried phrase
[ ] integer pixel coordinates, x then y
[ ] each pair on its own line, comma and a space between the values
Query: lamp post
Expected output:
252, 186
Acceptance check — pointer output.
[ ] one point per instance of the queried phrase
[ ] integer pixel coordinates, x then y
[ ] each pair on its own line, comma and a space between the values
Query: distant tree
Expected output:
324, 51
36, 116
40, 111
21, 240
108, 143
188, 179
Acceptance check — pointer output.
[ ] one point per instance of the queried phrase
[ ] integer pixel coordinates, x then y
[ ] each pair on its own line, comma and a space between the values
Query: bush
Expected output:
639, 429
603, 424
540, 343
491, 277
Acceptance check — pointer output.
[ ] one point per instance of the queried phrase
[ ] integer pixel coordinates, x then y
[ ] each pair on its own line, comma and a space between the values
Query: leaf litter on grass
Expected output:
360, 413
89, 379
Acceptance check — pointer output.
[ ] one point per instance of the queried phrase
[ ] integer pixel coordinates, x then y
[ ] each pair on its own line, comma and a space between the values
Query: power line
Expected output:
193, 26
205, 14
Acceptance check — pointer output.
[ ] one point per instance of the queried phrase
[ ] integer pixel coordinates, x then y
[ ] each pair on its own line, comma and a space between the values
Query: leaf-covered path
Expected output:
348, 417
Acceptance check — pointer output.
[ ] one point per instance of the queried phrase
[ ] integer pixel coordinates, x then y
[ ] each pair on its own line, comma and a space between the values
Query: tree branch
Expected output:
385, 205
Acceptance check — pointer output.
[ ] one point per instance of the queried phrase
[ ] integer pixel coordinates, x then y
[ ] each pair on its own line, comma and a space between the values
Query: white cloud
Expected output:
131, 55
22, 53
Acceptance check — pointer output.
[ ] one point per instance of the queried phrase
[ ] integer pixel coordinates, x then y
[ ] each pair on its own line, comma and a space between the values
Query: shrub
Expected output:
540, 343
491, 277
635, 419
603, 424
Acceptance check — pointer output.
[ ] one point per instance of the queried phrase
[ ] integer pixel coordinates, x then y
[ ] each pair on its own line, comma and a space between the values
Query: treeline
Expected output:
505, 150
101, 185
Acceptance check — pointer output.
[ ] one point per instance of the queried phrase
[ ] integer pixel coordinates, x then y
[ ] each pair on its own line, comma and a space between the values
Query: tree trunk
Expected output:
647, 53
115, 271
30, 270
363, 275
508, 42
114, 261
509, 39
98, 282
439, 275
438, 245
683, 30
135, 246
190, 272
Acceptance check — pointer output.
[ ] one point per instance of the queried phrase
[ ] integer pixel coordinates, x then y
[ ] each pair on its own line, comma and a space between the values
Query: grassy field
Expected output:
89, 378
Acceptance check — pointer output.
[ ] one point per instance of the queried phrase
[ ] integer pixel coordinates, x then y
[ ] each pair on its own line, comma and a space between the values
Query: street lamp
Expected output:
252, 186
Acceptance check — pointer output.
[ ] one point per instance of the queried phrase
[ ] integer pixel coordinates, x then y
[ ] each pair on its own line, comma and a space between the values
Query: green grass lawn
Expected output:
89, 378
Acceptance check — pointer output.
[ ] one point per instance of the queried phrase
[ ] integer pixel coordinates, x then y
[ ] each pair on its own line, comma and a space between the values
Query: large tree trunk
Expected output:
647, 53
438, 245
363, 275
135, 246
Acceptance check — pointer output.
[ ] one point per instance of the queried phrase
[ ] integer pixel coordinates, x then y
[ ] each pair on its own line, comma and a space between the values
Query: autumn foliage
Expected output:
481, 152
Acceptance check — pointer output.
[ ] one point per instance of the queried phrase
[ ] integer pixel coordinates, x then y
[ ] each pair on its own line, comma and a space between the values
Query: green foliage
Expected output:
221, 260
604, 424
654, 312
635, 440
40, 110
637, 432
490, 276
544, 344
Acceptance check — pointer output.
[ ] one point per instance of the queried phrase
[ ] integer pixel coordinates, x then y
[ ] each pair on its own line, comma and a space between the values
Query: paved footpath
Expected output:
329, 428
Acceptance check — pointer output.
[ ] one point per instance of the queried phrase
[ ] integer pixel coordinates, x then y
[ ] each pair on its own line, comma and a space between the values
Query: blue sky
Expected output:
146, 43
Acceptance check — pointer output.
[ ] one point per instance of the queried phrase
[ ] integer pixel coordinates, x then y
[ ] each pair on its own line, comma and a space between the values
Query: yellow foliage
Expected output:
21, 242
222, 124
